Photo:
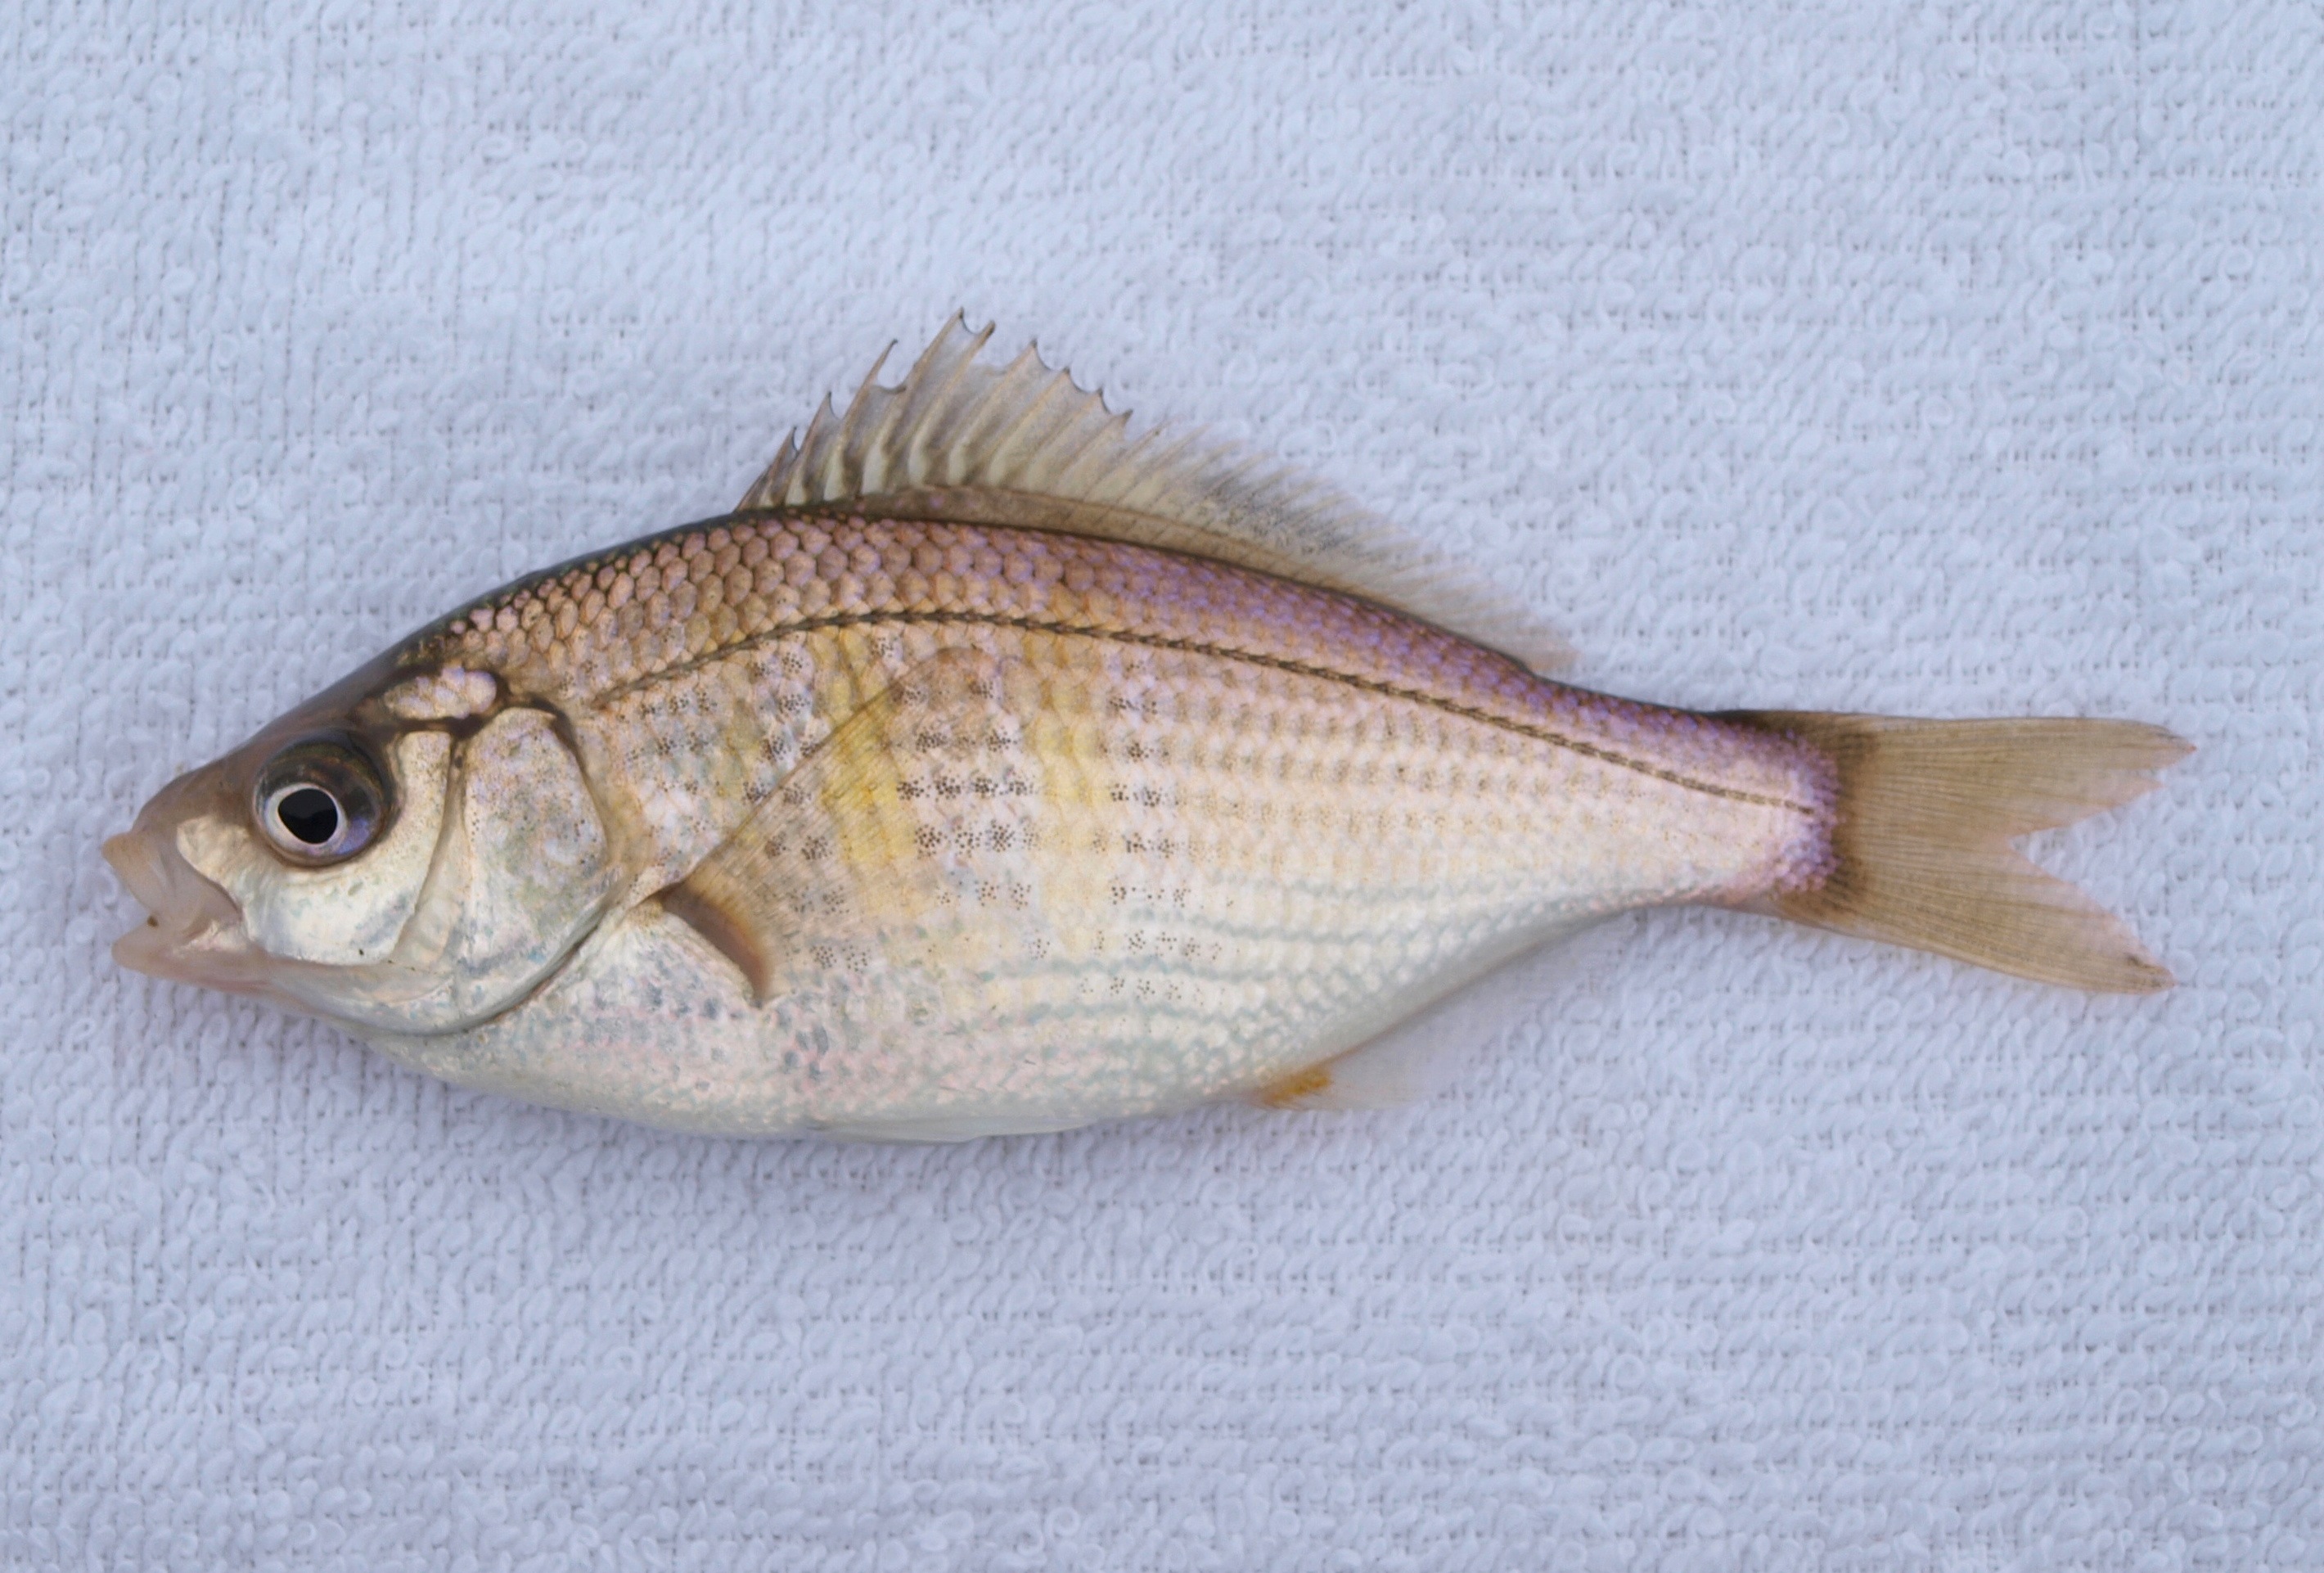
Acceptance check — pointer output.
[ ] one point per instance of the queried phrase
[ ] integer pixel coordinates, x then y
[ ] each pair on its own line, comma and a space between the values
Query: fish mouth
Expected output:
193, 932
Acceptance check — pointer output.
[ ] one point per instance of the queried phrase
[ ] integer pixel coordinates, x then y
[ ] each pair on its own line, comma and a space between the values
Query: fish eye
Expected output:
320, 800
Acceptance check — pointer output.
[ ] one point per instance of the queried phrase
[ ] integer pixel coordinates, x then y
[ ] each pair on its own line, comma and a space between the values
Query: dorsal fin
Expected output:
1021, 444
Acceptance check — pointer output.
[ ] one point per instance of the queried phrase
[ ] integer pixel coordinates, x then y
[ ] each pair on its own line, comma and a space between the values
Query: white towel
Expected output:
1931, 360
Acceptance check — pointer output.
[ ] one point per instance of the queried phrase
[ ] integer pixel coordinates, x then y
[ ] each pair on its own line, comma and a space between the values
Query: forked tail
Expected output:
1921, 840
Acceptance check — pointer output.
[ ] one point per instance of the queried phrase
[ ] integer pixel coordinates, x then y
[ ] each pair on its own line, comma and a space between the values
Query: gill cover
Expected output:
522, 873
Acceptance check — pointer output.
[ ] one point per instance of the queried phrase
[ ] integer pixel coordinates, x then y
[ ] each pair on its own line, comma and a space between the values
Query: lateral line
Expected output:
1196, 647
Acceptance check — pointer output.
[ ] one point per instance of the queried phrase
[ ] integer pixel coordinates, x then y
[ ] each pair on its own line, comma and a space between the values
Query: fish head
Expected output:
409, 851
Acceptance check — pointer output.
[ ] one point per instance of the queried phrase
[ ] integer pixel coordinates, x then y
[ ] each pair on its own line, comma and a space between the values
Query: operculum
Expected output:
523, 873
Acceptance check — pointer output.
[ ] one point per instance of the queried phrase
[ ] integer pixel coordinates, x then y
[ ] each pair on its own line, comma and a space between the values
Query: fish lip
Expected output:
191, 933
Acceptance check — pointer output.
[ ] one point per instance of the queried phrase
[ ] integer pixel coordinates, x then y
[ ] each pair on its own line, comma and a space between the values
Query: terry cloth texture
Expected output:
1930, 359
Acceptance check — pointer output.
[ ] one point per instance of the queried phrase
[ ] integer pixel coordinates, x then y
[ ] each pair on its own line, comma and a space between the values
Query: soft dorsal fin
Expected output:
1021, 444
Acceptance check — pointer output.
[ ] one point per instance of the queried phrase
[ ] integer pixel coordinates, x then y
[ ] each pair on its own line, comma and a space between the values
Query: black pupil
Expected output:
310, 814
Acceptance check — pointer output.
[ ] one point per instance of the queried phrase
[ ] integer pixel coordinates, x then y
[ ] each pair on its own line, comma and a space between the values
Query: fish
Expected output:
990, 770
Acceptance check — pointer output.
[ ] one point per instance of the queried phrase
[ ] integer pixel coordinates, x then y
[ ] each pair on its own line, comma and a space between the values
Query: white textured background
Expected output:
1942, 359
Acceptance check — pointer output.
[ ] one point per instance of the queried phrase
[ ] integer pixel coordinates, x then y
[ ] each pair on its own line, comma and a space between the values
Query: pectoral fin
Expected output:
848, 850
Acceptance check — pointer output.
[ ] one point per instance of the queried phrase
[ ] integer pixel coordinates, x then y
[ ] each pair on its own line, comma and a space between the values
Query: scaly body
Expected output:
1150, 831
991, 771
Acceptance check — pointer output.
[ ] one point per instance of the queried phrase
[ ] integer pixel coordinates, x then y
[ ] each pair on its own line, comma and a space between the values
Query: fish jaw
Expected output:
193, 932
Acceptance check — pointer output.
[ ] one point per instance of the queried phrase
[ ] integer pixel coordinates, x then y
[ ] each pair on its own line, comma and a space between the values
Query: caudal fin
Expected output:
1926, 811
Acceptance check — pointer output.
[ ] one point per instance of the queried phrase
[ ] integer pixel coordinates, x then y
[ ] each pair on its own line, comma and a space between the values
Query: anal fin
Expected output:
1413, 1059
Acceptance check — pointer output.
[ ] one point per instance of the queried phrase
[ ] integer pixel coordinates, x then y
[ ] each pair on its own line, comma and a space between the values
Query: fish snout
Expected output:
138, 864
193, 930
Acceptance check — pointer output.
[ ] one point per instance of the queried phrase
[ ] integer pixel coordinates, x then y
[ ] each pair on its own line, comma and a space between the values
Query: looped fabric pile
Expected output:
1892, 359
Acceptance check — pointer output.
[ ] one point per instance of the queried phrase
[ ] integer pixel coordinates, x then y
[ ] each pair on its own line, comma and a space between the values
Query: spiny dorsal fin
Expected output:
1021, 444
